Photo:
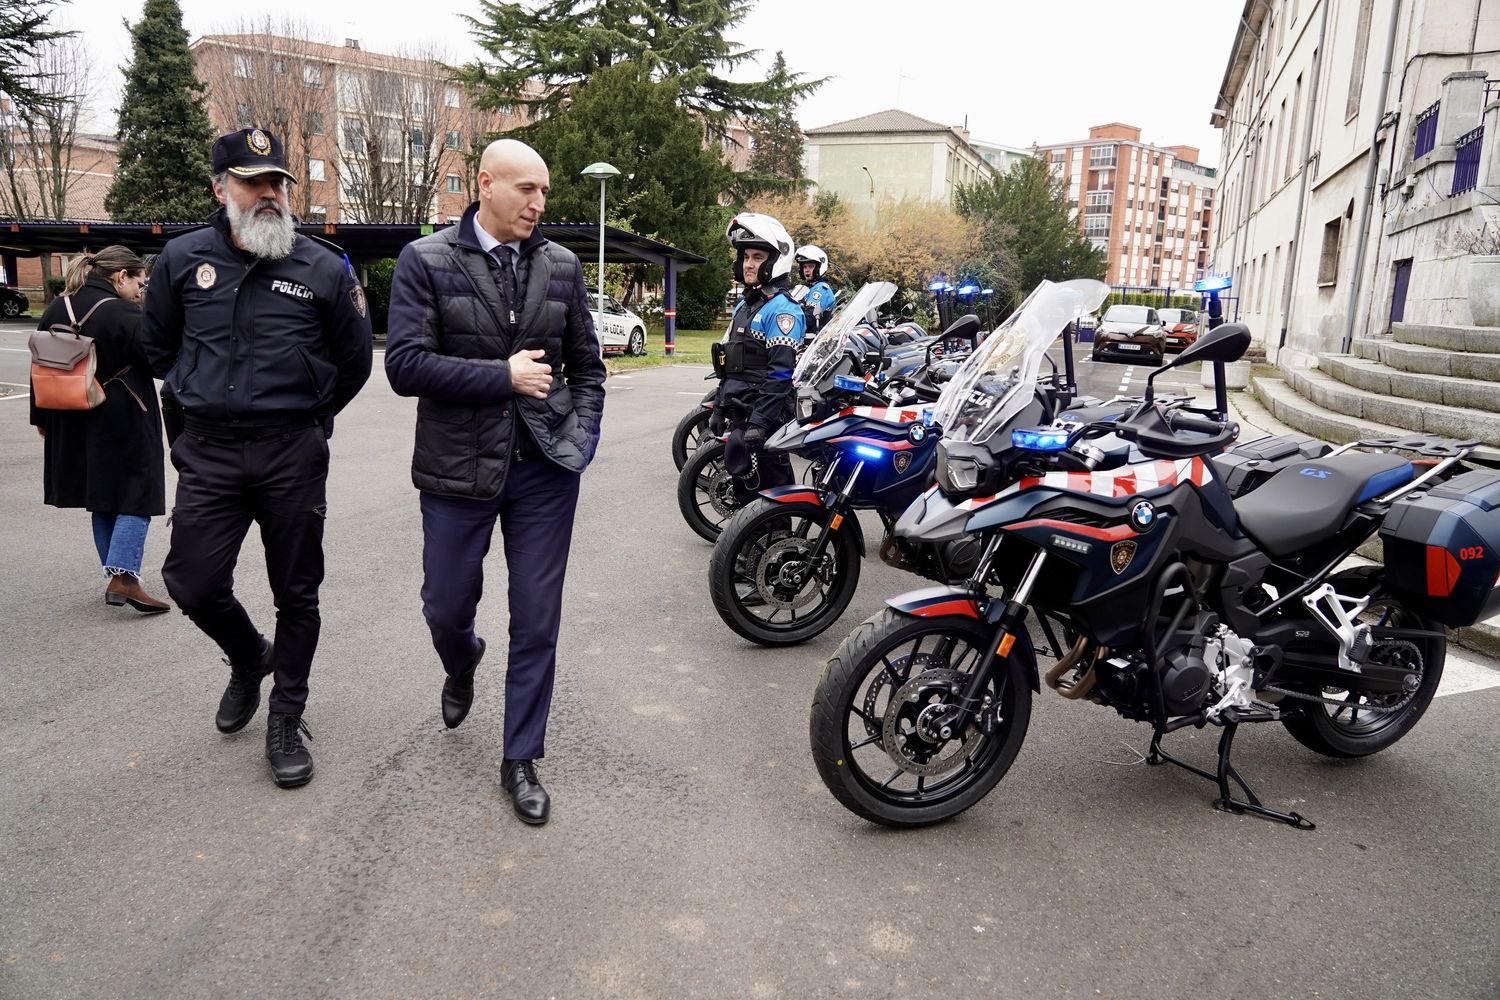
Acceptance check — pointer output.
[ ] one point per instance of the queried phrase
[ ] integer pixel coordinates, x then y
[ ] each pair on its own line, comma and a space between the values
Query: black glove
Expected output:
716, 421
755, 437
737, 453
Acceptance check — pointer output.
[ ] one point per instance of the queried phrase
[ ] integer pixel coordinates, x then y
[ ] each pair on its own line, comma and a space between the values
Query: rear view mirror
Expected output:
1223, 345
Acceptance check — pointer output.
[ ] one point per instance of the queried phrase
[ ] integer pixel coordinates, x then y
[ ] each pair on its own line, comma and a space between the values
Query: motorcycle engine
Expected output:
1187, 674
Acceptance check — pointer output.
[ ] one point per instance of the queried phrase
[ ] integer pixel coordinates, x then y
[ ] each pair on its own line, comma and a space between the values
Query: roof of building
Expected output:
891, 120
1245, 38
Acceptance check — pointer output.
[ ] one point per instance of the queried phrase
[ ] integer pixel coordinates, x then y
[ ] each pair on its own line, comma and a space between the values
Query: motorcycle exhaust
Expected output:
1083, 685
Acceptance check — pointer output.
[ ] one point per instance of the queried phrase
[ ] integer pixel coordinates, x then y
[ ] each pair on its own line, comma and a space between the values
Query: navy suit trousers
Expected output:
535, 510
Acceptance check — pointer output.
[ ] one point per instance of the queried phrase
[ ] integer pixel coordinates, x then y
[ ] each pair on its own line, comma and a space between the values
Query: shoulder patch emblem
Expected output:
206, 276
357, 296
785, 322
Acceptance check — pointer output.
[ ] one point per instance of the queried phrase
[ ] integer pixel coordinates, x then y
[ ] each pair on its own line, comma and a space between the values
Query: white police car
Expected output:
620, 330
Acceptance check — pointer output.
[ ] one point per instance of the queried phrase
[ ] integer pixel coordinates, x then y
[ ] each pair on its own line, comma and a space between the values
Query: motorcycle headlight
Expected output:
807, 406
956, 474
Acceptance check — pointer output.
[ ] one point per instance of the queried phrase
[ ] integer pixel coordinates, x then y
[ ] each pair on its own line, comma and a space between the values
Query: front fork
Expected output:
1009, 621
836, 508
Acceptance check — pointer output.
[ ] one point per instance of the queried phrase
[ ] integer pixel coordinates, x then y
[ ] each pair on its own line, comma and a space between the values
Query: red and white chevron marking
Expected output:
889, 414
1115, 484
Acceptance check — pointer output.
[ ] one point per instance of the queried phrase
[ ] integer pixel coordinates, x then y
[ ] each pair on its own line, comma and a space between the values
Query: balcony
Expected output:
1427, 131
1466, 166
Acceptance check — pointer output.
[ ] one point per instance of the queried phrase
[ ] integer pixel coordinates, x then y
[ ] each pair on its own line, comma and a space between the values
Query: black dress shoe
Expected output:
242, 696
291, 764
458, 693
526, 792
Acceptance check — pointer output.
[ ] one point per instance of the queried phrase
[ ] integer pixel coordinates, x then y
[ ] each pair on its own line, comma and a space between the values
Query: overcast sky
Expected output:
1019, 74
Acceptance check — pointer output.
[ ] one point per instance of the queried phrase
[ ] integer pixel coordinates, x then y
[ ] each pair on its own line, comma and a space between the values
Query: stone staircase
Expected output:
1441, 380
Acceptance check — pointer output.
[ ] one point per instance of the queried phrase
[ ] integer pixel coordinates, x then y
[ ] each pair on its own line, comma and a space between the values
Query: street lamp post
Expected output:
601, 172
872, 181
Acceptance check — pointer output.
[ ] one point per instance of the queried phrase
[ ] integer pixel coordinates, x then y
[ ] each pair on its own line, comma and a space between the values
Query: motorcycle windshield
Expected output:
833, 340
996, 382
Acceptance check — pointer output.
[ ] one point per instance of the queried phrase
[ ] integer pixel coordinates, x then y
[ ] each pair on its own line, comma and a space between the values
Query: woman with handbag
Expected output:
108, 459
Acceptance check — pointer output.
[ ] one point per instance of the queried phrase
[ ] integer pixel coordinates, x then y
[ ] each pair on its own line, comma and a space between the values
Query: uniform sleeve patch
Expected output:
357, 296
785, 322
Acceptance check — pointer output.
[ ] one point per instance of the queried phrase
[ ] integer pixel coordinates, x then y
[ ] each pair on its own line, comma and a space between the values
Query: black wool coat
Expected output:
108, 459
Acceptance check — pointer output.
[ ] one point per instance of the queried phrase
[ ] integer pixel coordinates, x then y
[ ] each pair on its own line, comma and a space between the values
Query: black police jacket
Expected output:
451, 337
248, 342
760, 356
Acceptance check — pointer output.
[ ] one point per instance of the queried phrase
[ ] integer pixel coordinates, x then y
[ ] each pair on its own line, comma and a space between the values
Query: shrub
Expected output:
378, 293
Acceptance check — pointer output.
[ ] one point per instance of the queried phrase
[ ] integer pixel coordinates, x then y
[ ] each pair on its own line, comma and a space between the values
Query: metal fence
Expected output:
1427, 130
1466, 167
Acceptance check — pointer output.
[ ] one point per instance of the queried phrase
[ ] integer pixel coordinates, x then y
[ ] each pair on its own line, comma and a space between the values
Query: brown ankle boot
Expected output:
125, 588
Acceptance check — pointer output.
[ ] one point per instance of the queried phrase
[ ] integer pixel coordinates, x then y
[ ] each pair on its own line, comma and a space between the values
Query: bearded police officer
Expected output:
262, 336
816, 295
756, 395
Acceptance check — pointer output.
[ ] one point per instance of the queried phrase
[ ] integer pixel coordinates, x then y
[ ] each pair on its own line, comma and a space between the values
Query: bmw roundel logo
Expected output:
1143, 516
917, 433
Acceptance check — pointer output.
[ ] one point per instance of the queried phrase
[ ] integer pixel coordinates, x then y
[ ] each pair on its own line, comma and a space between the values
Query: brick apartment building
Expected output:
90, 171
1150, 208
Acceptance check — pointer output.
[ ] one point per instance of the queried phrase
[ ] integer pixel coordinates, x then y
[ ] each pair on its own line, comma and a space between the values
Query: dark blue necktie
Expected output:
506, 256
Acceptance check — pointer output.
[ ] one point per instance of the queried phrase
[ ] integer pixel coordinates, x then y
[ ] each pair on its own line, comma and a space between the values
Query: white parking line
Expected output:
1462, 675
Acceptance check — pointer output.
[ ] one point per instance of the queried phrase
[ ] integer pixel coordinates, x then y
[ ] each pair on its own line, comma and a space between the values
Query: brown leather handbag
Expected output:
63, 364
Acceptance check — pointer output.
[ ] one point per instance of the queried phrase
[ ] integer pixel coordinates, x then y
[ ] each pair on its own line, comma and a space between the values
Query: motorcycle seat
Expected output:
1306, 502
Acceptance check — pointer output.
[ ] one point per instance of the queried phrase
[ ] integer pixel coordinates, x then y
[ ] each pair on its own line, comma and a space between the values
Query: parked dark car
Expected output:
1132, 333
12, 302
1181, 326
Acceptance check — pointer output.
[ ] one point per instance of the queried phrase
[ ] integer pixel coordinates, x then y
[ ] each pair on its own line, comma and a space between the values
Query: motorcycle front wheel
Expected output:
707, 494
762, 583
689, 434
1357, 724
869, 727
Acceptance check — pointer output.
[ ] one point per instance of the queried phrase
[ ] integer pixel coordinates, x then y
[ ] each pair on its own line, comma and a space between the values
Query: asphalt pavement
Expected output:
693, 851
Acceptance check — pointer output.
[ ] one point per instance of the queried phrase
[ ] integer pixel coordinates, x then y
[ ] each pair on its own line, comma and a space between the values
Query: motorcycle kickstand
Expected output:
1226, 802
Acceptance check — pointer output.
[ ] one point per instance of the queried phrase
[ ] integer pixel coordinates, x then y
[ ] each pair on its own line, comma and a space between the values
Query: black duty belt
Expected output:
221, 431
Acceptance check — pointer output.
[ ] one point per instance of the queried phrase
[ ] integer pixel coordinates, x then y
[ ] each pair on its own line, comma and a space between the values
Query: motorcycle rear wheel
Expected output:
689, 434
757, 550
1361, 726
854, 711
707, 494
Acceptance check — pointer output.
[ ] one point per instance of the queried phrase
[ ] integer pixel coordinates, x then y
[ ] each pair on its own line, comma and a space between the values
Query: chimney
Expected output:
351, 43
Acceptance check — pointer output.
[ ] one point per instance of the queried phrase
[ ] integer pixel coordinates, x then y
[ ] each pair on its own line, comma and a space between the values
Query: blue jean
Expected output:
121, 540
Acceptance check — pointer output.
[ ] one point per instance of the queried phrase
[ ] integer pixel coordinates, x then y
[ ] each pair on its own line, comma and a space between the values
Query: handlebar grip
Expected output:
1180, 421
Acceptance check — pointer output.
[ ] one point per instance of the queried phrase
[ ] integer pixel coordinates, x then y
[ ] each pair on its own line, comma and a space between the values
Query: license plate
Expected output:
1129, 347
1176, 340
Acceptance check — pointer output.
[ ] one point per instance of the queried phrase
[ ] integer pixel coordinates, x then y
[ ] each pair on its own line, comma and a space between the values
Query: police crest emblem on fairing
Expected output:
785, 322
902, 461
1120, 555
206, 276
259, 142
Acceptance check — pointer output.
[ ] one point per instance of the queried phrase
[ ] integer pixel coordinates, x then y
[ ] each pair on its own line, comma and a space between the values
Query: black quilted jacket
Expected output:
449, 338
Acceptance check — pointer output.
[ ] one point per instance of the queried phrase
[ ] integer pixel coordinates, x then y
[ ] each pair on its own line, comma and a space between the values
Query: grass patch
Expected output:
691, 348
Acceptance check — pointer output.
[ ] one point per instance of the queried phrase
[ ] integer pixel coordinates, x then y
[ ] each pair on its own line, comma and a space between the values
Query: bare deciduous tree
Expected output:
394, 118
273, 73
39, 153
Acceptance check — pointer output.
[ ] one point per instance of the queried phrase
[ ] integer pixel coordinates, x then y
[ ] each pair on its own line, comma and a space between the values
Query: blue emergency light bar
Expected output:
849, 383
865, 451
1213, 283
1040, 439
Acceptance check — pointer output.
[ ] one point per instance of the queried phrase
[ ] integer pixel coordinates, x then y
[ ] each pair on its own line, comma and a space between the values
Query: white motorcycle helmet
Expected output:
753, 231
811, 254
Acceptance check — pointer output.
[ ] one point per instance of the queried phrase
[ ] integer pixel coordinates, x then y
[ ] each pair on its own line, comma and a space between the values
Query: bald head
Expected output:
513, 188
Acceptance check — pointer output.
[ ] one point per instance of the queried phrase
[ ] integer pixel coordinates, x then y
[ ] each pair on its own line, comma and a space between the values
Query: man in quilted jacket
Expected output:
490, 329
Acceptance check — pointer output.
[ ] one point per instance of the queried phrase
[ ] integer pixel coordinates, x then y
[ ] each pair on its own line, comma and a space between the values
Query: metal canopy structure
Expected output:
362, 242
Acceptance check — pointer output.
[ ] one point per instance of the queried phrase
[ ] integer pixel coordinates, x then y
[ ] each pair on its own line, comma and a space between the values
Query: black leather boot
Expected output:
458, 693
526, 792
242, 696
291, 764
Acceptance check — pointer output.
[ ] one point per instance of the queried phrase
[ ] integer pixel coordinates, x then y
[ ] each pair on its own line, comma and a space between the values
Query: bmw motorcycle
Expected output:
1177, 604
708, 494
787, 563
901, 345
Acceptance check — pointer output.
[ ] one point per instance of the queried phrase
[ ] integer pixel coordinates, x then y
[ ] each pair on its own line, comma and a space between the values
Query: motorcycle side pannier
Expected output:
1442, 549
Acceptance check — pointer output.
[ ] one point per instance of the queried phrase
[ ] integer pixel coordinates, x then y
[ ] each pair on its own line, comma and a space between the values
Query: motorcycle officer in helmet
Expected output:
815, 294
759, 354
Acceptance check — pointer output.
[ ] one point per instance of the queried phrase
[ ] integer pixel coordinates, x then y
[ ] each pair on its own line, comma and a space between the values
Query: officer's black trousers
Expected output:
222, 486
